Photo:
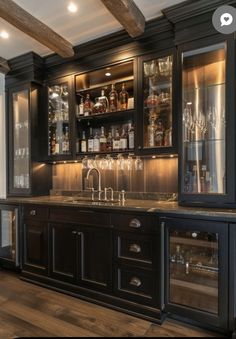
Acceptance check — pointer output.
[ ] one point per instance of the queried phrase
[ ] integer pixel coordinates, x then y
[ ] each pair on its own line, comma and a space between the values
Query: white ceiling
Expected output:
91, 21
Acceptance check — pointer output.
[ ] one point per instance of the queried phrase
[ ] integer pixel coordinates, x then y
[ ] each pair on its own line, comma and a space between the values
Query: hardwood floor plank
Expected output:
28, 310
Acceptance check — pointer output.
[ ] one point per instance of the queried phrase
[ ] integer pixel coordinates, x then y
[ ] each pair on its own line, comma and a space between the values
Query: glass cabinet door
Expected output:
194, 269
21, 163
157, 102
8, 235
58, 119
204, 121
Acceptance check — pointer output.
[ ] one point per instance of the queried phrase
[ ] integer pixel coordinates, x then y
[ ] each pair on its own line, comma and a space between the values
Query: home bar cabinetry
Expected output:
174, 89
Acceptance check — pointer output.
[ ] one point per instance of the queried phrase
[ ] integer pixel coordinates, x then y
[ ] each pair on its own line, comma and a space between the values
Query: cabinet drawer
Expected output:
36, 212
134, 222
134, 247
79, 216
136, 284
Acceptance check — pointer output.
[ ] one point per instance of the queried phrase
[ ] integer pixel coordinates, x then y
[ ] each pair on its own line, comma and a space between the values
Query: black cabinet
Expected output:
35, 246
26, 176
196, 270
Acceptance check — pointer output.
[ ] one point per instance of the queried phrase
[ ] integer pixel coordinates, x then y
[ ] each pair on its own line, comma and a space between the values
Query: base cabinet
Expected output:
81, 255
35, 253
196, 270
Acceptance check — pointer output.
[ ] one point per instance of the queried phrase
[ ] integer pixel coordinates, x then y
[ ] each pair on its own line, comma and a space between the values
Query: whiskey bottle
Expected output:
96, 143
83, 143
81, 107
113, 99
123, 140
104, 102
103, 141
123, 97
88, 106
109, 142
116, 141
90, 141
131, 136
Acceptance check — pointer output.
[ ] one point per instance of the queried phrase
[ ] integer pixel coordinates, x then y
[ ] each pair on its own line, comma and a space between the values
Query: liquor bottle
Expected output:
88, 106
103, 141
151, 133
83, 143
104, 101
81, 108
96, 143
195, 179
57, 146
123, 140
65, 141
159, 133
131, 136
53, 144
109, 142
123, 97
116, 141
113, 99
90, 141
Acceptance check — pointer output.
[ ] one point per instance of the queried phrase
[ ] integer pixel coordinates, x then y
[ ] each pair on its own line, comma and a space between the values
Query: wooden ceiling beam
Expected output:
36, 29
128, 14
4, 67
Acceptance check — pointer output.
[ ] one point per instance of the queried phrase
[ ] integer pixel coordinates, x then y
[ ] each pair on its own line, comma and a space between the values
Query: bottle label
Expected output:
90, 145
131, 141
64, 146
116, 145
96, 145
56, 148
123, 143
83, 146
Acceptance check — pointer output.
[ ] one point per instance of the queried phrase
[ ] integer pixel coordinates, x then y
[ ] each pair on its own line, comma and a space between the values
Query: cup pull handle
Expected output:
135, 282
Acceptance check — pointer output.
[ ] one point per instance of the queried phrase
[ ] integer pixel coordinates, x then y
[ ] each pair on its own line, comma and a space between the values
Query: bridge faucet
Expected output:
99, 180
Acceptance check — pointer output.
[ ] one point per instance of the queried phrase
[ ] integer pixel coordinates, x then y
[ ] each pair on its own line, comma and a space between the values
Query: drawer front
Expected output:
36, 212
134, 222
137, 284
134, 247
80, 216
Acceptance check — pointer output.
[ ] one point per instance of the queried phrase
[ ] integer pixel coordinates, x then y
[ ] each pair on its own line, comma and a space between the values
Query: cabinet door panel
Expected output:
63, 252
35, 257
95, 257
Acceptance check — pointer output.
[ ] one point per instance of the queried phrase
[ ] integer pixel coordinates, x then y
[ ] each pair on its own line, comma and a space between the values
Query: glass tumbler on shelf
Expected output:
138, 164
165, 66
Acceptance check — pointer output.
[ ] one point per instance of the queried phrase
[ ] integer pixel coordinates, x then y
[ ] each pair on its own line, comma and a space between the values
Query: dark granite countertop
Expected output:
152, 206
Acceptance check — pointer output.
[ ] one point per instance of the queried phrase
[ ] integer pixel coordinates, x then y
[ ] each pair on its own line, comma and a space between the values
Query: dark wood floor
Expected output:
30, 311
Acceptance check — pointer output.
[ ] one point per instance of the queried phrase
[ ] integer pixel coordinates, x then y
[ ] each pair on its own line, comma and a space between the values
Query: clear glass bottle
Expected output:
113, 99
131, 136
81, 107
96, 143
116, 141
103, 140
123, 140
90, 140
104, 102
83, 143
159, 133
123, 98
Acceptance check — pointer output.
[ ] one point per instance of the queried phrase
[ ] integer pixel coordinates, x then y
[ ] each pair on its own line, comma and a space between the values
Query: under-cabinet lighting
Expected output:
172, 156
153, 157
72, 7
189, 103
107, 74
54, 163
65, 162
4, 35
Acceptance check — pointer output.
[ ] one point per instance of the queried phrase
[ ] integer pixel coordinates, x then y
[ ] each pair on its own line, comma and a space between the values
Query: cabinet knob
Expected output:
139, 147
33, 212
135, 223
135, 282
135, 248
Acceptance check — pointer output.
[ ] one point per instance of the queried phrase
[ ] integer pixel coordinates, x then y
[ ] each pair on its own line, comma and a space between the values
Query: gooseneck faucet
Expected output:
99, 180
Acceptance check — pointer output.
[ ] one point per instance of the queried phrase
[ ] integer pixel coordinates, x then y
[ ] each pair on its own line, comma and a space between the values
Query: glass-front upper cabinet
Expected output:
157, 121
105, 109
59, 126
203, 163
20, 140
196, 268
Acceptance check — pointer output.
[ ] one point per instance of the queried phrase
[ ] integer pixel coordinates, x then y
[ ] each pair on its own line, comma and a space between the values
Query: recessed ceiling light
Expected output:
72, 7
4, 35
107, 74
